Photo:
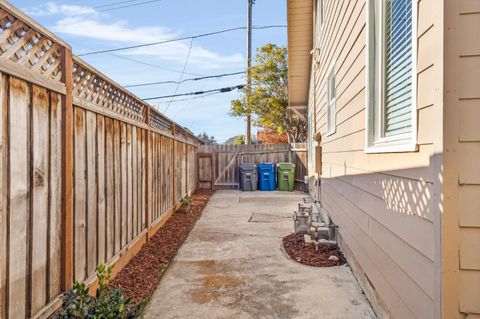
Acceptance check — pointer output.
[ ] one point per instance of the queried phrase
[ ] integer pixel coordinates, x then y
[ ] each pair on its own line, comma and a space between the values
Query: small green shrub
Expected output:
185, 204
107, 302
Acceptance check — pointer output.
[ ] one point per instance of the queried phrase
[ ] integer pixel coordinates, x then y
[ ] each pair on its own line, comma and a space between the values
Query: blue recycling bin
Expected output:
266, 177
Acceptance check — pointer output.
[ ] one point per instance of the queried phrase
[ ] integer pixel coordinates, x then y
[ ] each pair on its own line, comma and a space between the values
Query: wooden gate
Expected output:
218, 164
205, 171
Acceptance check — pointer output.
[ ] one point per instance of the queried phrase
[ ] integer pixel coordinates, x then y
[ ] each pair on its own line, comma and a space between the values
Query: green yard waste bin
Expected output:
286, 176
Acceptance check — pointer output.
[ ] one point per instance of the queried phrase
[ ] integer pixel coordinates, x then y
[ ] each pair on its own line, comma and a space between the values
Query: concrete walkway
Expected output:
232, 266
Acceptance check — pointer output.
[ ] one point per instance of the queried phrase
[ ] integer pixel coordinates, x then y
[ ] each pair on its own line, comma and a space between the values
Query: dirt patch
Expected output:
214, 285
229, 284
212, 288
142, 274
306, 254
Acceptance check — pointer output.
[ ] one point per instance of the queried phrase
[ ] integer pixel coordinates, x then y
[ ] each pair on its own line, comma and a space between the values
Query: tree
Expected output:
208, 140
239, 139
269, 99
236, 140
268, 136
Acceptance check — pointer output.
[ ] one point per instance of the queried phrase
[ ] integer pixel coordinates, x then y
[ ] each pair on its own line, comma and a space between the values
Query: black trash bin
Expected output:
248, 177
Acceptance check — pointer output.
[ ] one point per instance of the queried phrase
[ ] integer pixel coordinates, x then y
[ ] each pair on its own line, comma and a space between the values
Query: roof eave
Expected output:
300, 44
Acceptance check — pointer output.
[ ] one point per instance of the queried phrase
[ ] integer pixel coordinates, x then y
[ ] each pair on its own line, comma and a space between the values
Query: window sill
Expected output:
395, 148
331, 133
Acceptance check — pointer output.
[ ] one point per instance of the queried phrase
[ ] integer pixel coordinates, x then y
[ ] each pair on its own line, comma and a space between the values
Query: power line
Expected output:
130, 5
214, 76
181, 39
153, 65
190, 98
181, 107
114, 3
140, 62
181, 76
220, 90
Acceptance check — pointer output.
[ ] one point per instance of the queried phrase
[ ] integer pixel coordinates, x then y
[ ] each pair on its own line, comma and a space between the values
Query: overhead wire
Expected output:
219, 90
153, 65
214, 76
190, 98
183, 73
140, 61
180, 39
179, 109
115, 3
130, 5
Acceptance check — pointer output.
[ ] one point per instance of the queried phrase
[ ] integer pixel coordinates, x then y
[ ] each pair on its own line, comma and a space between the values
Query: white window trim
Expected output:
399, 143
320, 16
333, 128
311, 133
318, 25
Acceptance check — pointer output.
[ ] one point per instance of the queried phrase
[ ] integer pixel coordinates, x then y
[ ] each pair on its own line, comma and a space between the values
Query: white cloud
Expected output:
177, 52
115, 32
120, 32
51, 8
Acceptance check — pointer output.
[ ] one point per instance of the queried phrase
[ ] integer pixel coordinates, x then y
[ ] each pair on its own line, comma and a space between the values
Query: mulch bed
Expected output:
142, 274
306, 254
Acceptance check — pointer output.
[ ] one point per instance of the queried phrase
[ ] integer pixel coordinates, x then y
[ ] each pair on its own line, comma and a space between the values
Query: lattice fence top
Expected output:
158, 121
28, 47
90, 86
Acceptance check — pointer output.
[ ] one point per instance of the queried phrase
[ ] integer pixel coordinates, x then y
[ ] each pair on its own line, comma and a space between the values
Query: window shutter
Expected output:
398, 67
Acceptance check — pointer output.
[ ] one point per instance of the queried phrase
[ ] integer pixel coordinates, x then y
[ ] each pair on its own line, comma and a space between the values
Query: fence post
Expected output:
148, 177
67, 171
186, 169
174, 166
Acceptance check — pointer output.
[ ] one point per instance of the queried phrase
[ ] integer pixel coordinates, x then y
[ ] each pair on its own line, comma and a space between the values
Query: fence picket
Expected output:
40, 200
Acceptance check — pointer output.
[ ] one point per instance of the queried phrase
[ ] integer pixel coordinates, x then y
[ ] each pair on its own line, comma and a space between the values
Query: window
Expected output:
391, 76
331, 99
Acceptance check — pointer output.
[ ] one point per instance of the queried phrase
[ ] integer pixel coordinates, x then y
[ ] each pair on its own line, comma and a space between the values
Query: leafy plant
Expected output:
185, 204
107, 302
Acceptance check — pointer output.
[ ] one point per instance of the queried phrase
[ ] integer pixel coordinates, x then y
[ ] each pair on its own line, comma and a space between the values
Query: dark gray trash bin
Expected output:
248, 177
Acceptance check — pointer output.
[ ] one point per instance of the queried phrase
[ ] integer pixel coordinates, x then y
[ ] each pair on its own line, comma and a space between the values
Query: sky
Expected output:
91, 25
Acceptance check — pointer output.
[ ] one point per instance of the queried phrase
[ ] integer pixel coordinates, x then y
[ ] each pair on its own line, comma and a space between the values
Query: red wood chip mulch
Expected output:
142, 274
306, 254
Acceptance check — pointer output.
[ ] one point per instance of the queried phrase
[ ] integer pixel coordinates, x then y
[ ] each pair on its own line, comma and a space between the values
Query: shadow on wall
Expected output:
410, 191
390, 223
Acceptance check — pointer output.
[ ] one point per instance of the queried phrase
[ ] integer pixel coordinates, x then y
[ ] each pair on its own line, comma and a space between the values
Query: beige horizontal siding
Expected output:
462, 224
386, 205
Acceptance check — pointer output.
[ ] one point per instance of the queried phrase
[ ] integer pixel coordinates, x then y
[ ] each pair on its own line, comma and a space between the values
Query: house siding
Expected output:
387, 206
461, 228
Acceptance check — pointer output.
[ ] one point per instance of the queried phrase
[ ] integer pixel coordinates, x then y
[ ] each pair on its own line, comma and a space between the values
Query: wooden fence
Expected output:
218, 164
88, 170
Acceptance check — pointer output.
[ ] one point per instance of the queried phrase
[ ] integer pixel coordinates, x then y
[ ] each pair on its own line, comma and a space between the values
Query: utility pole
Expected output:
248, 135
